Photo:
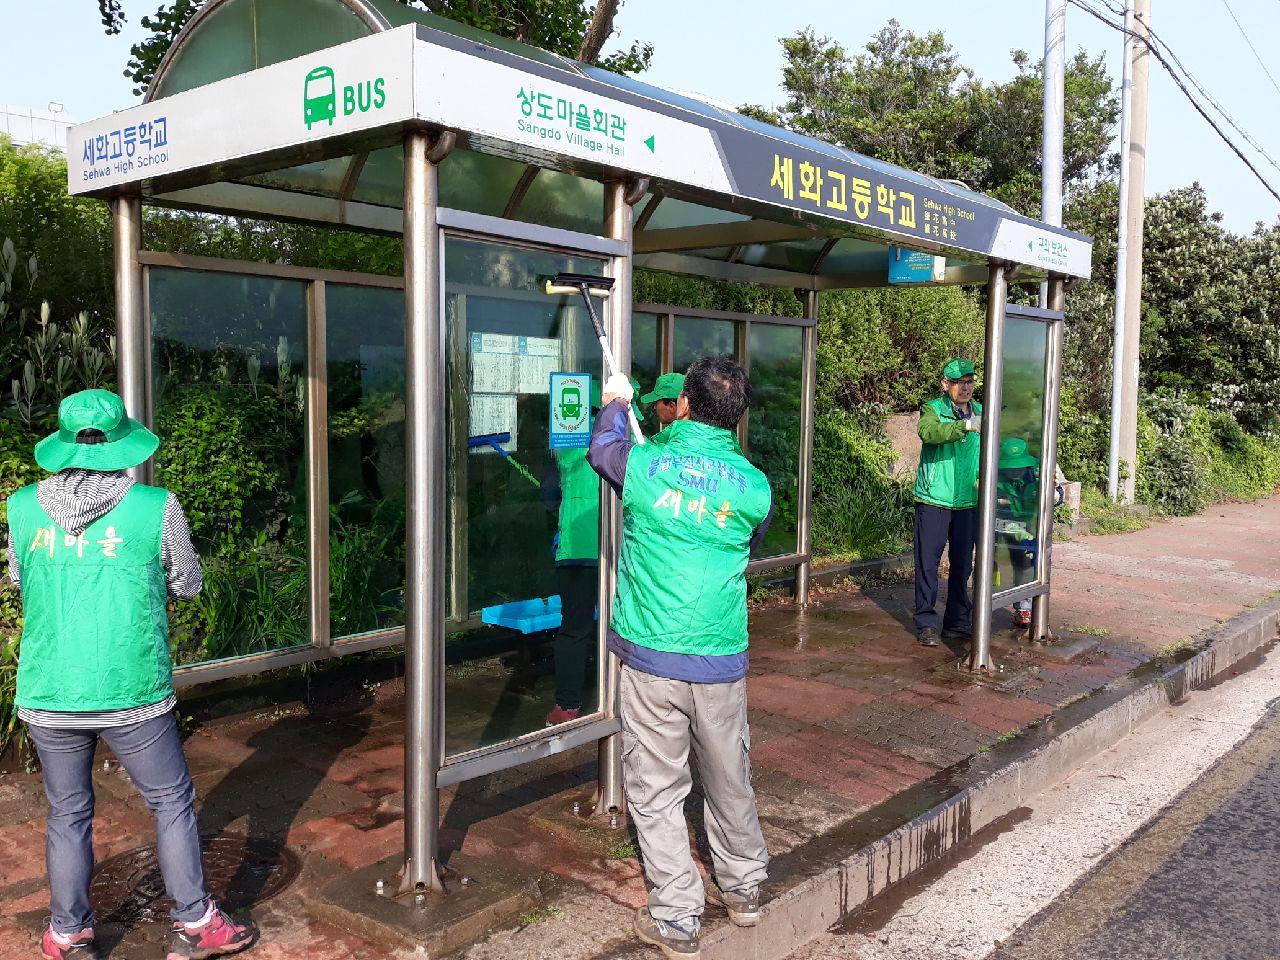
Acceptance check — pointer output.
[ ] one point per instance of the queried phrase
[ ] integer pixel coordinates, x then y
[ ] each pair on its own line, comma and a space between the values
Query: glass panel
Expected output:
1021, 425
795, 255
243, 35
479, 183
382, 179
562, 200
646, 359
671, 212
229, 384
699, 337
773, 427
365, 365
523, 519
322, 178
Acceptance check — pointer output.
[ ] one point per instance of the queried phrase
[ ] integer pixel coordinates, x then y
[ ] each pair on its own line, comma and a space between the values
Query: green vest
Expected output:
948, 473
690, 504
96, 632
579, 519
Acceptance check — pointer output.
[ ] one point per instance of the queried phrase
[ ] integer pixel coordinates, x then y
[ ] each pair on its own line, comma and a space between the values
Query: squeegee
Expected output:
495, 441
563, 284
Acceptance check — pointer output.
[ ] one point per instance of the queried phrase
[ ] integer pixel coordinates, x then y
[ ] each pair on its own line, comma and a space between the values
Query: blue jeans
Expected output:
151, 754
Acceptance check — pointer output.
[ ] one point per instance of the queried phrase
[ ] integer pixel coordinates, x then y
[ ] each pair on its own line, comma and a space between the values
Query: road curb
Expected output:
991, 786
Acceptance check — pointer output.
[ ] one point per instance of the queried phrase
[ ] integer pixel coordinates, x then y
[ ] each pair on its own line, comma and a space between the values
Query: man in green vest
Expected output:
946, 495
97, 557
692, 508
665, 396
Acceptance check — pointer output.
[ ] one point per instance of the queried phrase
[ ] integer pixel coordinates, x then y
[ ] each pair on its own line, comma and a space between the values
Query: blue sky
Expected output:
728, 50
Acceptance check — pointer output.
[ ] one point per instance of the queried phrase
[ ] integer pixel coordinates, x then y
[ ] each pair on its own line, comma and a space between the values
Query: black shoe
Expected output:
927, 637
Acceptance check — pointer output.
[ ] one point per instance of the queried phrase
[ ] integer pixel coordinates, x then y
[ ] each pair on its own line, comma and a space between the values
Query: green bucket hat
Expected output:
1014, 455
668, 387
957, 368
124, 442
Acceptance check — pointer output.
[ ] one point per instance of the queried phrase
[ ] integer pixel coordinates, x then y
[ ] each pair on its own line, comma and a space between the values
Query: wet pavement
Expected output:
1199, 883
846, 711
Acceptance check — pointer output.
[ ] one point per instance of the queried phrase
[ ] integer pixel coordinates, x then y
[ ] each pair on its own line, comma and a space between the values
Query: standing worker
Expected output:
665, 396
692, 509
96, 557
946, 495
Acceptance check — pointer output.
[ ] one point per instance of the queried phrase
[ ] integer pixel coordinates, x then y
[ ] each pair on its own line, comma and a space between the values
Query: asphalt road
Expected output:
1202, 881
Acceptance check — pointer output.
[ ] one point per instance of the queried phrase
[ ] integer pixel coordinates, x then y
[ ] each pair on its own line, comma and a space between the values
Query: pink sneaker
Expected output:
561, 715
79, 947
214, 936
1022, 618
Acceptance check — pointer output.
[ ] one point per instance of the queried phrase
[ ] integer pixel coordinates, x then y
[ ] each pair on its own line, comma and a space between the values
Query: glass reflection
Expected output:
365, 368
701, 337
523, 517
1018, 481
229, 384
773, 434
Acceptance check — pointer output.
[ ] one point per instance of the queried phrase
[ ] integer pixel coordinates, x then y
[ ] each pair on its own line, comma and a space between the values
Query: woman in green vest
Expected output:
97, 556
946, 495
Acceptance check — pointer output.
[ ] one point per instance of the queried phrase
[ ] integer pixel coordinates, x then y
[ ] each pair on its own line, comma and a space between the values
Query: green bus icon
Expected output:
319, 96
570, 403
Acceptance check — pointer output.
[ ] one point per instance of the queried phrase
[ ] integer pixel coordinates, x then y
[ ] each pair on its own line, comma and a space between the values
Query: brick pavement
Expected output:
846, 711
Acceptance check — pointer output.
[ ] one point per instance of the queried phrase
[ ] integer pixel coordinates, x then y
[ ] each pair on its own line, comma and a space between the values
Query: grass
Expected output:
541, 916
1106, 517
1089, 631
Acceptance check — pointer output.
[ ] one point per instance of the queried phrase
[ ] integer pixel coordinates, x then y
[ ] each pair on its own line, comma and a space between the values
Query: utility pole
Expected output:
1052, 291
1133, 175
1055, 73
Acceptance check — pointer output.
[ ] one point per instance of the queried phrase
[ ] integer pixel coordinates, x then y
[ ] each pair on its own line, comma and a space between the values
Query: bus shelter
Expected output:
419, 464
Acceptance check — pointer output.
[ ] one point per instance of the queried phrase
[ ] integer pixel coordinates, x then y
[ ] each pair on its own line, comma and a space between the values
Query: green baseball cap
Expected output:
668, 387
1014, 454
121, 443
957, 368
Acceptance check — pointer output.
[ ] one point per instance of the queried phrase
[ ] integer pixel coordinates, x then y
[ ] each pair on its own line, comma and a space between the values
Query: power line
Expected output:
1160, 58
1256, 55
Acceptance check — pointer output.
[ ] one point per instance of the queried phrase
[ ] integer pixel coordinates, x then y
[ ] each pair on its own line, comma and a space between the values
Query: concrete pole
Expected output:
1051, 291
132, 337
804, 506
424, 524
1055, 73
992, 379
1126, 443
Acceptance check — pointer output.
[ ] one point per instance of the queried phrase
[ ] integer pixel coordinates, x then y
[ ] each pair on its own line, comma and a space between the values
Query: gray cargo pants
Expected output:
661, 719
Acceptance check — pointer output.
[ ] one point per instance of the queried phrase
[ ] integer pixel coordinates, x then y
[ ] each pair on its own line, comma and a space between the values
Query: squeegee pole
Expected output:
610, 364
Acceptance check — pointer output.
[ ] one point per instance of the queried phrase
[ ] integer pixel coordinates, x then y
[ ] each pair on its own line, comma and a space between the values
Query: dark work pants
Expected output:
957, 530
577, 634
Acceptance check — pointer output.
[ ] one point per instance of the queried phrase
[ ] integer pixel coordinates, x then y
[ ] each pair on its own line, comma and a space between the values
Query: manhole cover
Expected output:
238, 871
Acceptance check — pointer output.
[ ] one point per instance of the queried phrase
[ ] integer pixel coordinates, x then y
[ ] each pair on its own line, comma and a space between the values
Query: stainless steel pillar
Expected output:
317, 453
424, 524
992, 377
618, 226
1048, 460
804, 503
133, 345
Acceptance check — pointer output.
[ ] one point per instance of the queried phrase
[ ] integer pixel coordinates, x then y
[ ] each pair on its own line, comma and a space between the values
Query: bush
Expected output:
17, 469
859, 509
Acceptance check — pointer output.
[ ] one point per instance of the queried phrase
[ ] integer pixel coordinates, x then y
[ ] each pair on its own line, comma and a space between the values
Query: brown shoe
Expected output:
674, 941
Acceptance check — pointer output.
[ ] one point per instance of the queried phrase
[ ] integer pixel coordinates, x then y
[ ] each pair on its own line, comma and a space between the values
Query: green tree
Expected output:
907, 99
572, 28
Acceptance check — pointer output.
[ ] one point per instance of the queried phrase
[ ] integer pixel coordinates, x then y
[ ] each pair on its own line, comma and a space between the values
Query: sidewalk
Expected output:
847, 713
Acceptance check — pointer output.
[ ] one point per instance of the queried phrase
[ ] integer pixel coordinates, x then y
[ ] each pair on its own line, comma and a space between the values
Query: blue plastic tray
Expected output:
527, 616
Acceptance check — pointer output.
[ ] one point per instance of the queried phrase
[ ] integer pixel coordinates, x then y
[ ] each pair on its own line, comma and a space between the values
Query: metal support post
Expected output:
992, 379
804, 505
1048, 462
132, 336
619, 220
317, 453
424, 523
